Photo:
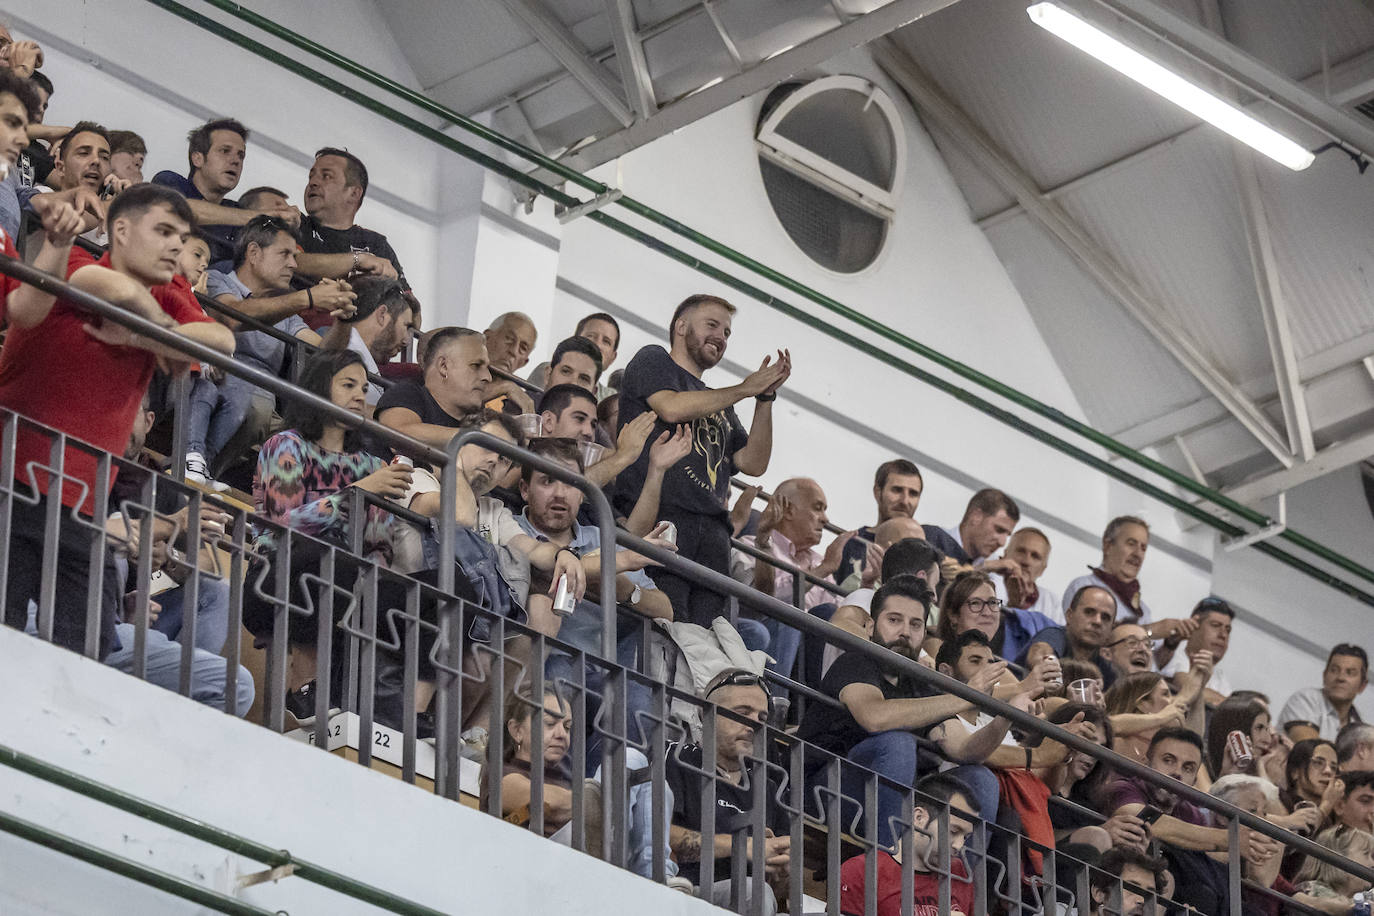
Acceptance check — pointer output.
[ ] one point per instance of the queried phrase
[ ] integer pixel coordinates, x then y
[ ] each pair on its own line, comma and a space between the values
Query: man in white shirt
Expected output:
1215, 618
1029, 549
1323, 711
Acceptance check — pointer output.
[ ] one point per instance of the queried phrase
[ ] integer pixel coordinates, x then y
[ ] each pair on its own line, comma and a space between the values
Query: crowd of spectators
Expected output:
315, 297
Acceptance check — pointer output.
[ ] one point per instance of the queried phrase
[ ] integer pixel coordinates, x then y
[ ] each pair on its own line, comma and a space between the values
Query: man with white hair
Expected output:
1355, 748
510, 338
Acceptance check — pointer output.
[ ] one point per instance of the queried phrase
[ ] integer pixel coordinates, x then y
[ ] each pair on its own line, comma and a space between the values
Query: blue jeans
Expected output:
638, 698
892, 755
983, 791
212, 613
216, 413
641, 817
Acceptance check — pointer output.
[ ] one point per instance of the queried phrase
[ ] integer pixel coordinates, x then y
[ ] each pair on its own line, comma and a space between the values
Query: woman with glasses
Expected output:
1311, 784
971, 603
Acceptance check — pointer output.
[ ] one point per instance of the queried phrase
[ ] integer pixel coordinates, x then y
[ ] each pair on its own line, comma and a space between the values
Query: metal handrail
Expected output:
215, 836
856, 316
612, 538
792, 569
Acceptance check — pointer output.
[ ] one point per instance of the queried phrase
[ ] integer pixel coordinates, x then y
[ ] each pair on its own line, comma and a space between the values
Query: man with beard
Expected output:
897, 488
933, 793
880, 710
550, 517
1128, 650
745, 694
696, 491
378, 330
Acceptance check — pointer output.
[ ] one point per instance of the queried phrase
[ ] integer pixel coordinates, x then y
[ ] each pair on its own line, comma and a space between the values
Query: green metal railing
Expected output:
1227, 527
166, 817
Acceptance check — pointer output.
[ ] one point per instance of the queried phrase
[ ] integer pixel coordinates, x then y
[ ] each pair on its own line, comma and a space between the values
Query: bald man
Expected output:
1019, 586
790, 529
510, 339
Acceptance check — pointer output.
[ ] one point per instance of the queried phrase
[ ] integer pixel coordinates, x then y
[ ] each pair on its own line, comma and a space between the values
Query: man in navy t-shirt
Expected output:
696, 489
215, 153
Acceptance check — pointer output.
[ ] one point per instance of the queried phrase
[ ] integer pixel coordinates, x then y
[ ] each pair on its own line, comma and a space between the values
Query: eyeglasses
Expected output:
264, 221
1131, 642
984, 605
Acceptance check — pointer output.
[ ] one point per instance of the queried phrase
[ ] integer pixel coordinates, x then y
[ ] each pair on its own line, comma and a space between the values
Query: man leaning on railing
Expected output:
85, 377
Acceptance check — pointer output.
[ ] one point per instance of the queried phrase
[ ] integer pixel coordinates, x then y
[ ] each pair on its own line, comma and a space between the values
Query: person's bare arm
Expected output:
28, 306
1171, 830
874, 713
668, 449
207, 333
340, 265
686, 406
334, 296
752, 460
404, 420
963, 745
515, 794
629, 446
652, 602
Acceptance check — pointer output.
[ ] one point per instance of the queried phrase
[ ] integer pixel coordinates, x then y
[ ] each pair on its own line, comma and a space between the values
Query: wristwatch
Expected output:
636, 595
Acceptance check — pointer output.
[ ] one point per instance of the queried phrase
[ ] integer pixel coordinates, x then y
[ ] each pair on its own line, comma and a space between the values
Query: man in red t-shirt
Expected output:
931, 794
69, 370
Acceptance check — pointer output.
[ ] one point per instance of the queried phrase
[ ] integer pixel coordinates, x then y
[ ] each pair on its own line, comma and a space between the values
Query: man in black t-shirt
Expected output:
332, 244
743, 693
881, 711
696, 490
456, 378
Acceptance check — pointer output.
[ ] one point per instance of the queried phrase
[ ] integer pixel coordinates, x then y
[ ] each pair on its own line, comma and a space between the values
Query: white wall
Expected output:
107, 726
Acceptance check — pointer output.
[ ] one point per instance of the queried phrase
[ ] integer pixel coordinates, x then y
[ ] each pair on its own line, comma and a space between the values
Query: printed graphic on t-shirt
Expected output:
710, 435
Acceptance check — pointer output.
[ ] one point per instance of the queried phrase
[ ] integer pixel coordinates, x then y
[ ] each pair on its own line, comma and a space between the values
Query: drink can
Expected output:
563, 602
1058, 682
1242, 751
404, 460
670, 533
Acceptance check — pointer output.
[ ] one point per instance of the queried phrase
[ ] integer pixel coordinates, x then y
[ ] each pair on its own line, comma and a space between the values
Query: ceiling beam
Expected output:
629, 55
1259, 239
568, 51
763, 75
1246, 72
943, 112
1349, 80
1331, 458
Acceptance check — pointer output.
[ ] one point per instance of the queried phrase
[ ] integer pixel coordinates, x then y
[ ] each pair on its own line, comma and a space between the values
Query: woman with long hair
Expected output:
556, 738
302, 481
970, 603
1139, 705
1251, 719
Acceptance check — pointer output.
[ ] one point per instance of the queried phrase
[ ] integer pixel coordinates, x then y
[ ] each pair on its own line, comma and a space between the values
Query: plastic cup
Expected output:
531, 424
592, 452
1085, 690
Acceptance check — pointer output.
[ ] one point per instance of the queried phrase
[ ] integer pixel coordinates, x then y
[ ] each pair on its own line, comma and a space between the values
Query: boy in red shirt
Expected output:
66, 369
931, 793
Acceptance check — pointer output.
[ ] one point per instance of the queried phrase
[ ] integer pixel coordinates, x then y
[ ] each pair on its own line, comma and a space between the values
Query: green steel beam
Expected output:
1239, 510
180, 887
173, 820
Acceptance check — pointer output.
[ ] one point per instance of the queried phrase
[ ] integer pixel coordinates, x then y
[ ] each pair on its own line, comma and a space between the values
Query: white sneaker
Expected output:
679, 883
197, 470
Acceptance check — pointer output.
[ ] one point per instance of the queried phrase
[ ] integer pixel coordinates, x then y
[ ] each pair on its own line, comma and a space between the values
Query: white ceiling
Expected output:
1156, 192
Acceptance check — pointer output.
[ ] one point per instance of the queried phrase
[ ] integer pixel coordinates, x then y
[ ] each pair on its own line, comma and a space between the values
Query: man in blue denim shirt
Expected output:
551, 515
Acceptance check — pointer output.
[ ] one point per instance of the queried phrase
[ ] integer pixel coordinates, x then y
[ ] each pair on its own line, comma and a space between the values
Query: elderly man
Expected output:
897, 488
456, 376
1355, 748
988, 520
1128, 649
1323, 711
791, 527
1029, 550
1123, 554
510, 338
744, 695
668, 382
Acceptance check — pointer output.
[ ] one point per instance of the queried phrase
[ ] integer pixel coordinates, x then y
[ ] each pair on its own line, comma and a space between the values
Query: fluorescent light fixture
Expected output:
1207, 106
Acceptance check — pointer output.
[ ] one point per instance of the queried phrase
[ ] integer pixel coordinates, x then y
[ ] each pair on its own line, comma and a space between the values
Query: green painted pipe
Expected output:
1319, 550
180, 887
174, 820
